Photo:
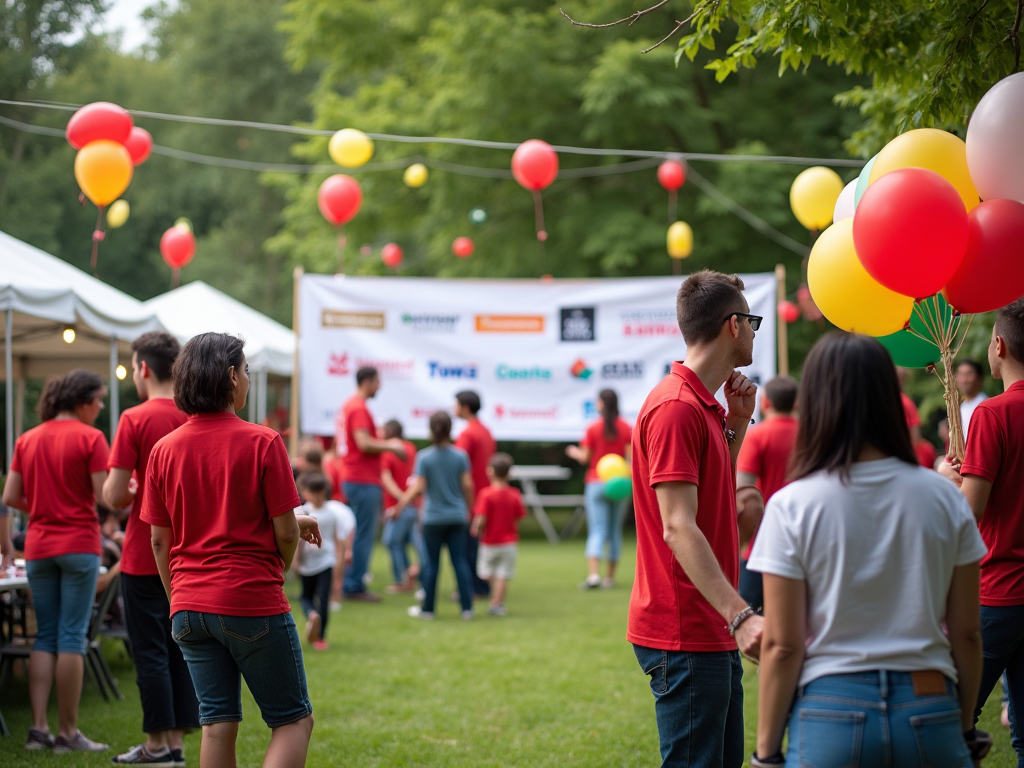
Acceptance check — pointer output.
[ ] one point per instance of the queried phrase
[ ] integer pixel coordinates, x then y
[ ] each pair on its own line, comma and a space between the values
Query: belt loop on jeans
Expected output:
883, 683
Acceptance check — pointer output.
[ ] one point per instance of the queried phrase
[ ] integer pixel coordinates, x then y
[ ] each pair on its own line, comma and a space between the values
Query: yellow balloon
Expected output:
350, 148
680, 240
934, 150
844, 291
117, 214
104, 170
416, 175
813, 196
611, 466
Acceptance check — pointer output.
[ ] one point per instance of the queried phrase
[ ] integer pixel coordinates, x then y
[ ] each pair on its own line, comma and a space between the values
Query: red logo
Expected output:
338, 365
526, 414
499, 411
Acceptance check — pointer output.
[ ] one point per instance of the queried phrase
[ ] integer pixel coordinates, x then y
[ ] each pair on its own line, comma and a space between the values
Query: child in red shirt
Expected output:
497, 513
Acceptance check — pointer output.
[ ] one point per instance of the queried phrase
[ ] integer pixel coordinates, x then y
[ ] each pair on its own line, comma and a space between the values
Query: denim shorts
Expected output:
263, 650
63, 591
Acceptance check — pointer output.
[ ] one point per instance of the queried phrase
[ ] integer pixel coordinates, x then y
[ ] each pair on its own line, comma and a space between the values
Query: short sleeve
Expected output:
279, 494
674, 440
417, 469
776, 549
464, 465
984, 454
751, 456
910, 412
360, 419
154, 509
465, 440
970, 546
99, 454
16, 458
480, 505
124, 454
588, 438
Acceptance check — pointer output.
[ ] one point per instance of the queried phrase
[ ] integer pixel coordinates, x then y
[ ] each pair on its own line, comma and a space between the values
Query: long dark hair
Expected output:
63, 393
849, 398
610, 401
440, 427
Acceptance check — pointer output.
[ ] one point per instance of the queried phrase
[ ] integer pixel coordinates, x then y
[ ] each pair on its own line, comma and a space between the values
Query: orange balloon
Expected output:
103, 169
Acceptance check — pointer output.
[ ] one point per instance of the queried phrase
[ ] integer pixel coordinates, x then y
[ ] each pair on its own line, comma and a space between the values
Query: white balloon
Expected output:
845, 203
995, 141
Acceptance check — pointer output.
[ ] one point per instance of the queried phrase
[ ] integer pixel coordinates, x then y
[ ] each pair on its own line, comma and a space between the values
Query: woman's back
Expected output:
877, 555
442, 466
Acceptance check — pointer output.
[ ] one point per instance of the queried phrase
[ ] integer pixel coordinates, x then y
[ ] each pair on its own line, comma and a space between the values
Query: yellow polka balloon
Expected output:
350, 148
934, 150
680, 240
416, 175
813, 196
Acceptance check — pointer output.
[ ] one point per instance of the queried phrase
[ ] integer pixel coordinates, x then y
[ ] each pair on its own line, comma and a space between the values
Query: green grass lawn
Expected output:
553, 683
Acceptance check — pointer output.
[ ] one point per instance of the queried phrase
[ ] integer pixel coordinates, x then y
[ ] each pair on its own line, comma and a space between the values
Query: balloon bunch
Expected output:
613, 471
109, 147
178, 247
918, 252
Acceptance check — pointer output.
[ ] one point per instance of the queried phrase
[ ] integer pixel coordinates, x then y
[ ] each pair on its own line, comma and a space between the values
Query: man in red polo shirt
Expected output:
685, 615
764, 463
475, 440
992, 480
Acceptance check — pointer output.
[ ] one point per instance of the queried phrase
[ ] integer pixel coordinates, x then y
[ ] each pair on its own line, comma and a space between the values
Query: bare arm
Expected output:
418, 486
6, 545
366, 443
14, 492
749, 506
116, 493
963, 622
678, 504
579, 453
286, 533
391, 488
161, 540
782, 657
976, 490
98, 478
467, 491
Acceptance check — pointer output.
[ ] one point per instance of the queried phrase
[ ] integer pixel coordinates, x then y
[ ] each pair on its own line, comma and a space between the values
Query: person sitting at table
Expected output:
57, 475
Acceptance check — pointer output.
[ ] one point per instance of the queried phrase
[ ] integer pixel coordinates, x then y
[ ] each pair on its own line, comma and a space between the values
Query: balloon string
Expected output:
967, 328
340, 251
175, 277
97, 235
538, 210
673, 205
926, 321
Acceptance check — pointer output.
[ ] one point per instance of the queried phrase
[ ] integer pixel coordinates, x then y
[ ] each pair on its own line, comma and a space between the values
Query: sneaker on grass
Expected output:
77, 743
593, 581
467, 615
38, 740
418, 613
497, 610
141, 756
178, 758
319, 645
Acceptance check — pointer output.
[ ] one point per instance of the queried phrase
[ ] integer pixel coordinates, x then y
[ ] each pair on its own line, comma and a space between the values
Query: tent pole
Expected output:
9, 385
254, 394
293, 415
115, 392
261, 406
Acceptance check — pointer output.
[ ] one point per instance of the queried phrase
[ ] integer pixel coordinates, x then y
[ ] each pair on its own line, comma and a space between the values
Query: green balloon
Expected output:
618, 488
911, 351
862, 181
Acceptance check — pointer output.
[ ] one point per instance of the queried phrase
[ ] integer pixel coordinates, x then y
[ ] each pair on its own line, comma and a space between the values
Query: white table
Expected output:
536, 501
8, 584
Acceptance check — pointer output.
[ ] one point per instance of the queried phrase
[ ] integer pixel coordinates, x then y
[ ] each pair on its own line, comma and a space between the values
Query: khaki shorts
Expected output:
496, 561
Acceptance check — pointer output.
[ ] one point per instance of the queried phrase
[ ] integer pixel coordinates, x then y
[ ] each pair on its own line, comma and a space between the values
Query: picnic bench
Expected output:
537, 502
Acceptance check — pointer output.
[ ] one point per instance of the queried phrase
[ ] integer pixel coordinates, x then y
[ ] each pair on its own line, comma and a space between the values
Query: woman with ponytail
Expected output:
442, 473
608, 435
57, 475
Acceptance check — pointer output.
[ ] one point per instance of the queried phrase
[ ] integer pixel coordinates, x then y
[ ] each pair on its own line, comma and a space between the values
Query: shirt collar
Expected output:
1016, 386
694, 382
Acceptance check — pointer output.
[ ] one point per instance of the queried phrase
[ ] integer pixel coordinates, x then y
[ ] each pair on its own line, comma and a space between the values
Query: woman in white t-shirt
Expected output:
865, 555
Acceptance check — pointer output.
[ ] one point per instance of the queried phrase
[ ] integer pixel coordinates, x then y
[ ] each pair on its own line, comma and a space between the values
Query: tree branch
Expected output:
633, 17
1015, 35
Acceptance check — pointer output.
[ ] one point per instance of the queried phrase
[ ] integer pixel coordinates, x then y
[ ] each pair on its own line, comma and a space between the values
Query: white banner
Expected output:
536, 351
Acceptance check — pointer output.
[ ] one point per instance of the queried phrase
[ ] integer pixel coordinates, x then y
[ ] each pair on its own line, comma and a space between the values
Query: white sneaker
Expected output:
421, 594
607, 583
467, 615
593, 581
416, 612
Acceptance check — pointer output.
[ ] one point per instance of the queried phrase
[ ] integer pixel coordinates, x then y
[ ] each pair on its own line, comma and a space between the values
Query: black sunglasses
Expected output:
754, 320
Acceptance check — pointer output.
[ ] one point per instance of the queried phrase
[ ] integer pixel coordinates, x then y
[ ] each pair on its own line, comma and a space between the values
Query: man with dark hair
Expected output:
360, 449
686, 617
970, 380
168, 697
475, 440
992, 480
762, 468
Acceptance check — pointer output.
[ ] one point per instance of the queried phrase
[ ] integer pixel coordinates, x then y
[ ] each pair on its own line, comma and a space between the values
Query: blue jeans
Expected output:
221, 651
454, 536
398, 534
698, 703
63, 591
1002, 642
365, 501
870, 719
604, 522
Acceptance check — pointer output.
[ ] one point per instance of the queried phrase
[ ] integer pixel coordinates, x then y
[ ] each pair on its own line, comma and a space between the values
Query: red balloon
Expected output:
178, 246
535, 164
339, 198
910, 231
788, 311
992, 273
99, 120
139, 145
462, 247
391, 255
671, 175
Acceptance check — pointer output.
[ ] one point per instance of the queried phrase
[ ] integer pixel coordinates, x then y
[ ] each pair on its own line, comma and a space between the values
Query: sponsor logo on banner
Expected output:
590, 411
367, 321
337, 365
510, 323
342, 365
579, 370
578, 323
649, 322
515, 413
633, 369
452, 371
419, 412
527, 373
429, 323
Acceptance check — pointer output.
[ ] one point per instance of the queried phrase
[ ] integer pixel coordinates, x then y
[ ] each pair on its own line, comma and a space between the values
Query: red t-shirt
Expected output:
476, 441
925, 454
765, 454
600, 446
503, 508
400, 470
359, 467
335, 471
56, 461
216, 482
995, 451
138, 431
680, 437
910, 411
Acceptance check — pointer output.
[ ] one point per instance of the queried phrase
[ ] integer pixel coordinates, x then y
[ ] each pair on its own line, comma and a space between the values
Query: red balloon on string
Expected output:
910, 231
178, 246
99, 120
339, 198
139, 145
671, 175
391, 255
788, 311
535, 164
462, 247
992, 272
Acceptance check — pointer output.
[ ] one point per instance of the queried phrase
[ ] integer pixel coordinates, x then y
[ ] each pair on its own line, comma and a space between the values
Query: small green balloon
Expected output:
862, 181
618, 488
478, 216
908, 349
184, 222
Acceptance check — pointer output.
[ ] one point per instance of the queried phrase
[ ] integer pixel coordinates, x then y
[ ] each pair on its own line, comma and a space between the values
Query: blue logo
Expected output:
443, 371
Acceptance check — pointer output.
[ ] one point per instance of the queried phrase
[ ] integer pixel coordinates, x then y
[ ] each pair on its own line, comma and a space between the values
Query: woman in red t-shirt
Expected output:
609, 434
57, 475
